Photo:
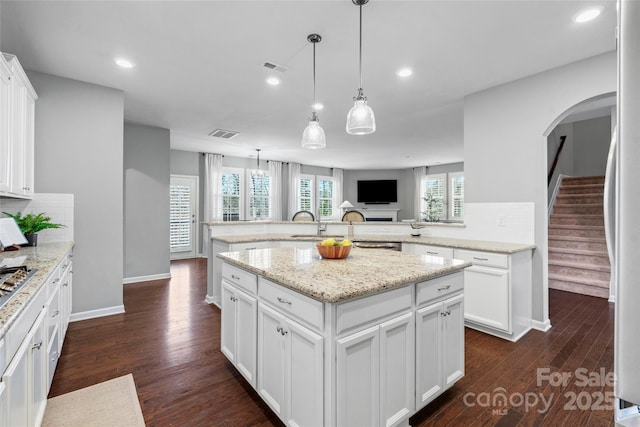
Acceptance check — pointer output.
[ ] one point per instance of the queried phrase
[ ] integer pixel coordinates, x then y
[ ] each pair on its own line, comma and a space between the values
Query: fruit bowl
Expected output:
333, 252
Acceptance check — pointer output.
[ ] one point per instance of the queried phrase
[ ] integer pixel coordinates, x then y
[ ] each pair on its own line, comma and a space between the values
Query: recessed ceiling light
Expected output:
124, 63
404, 72
273, 81
317, 106
587, 15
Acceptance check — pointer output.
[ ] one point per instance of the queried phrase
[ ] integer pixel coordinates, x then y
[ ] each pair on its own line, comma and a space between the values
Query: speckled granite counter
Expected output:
365, 272
478, 245
45, 257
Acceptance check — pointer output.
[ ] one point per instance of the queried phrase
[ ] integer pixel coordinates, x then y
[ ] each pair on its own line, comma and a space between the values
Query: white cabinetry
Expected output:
17, 166
439, 336
498, 292
290, 364
375, 374
418, 249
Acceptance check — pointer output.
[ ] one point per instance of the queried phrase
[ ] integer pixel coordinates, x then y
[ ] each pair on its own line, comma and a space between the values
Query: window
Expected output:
259, 196
326, 200
442, 197
231, 194
456, 185
179, 217
312, 197
305, 193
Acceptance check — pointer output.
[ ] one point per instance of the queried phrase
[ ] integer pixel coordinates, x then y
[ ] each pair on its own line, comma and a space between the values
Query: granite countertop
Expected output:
365, 272
45, 257
477, 245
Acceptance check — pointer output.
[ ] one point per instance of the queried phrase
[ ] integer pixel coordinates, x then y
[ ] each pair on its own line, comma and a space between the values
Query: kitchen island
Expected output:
368, 340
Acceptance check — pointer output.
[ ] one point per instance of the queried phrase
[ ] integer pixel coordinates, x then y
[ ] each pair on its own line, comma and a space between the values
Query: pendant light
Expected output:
360, 120
313, 135
257, 171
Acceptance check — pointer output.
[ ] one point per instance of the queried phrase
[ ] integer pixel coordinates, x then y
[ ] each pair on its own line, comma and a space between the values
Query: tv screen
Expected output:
378, 191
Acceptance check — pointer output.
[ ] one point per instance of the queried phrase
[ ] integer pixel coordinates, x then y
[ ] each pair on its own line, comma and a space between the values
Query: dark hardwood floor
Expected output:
169, 339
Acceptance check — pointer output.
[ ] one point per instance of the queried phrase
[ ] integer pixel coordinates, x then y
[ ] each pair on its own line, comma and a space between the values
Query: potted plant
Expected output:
434, 207
30, 224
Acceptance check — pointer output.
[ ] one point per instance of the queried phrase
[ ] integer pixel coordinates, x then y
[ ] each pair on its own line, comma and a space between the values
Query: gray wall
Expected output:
79, 150
592, 138
146, 201
405, 189
505, 147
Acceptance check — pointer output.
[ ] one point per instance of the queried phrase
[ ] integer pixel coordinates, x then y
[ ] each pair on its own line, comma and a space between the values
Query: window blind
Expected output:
179, 216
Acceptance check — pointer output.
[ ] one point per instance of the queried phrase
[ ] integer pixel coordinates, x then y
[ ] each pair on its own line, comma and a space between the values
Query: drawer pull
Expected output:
283, 301
65, 284
55, 281
444, 288
250, 249
233, 276
282, 330
445, 313
36, 346
232, 298
433, 253
480, 259
55, 313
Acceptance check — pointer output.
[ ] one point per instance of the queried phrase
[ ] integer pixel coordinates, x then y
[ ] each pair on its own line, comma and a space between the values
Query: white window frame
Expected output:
312, 178
334, 205
241, 196
452, 197
247, 196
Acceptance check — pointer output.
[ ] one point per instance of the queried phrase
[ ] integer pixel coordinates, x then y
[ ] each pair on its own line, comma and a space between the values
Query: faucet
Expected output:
321, 227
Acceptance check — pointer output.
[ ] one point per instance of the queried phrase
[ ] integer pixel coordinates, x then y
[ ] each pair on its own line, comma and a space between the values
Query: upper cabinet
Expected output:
17, 123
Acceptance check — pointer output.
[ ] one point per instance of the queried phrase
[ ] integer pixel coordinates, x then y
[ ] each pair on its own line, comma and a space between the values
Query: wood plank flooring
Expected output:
169, 339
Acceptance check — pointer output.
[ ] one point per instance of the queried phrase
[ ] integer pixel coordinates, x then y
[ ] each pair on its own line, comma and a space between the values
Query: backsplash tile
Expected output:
58, 206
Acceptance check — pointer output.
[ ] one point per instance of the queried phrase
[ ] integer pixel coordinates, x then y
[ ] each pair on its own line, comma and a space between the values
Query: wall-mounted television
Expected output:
382, 191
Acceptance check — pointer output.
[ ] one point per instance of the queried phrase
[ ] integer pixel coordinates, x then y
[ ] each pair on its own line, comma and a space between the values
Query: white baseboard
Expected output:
201, 255
212, 300
148, 278
612, 298
101, 312
541, 326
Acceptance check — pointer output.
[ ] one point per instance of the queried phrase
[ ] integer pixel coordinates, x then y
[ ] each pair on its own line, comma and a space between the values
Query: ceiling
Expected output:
199, 66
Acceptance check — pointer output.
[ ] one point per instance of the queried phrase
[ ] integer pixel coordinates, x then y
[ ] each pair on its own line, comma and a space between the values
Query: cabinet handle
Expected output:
65, 284
54, 356
55, 313
433, 253
480, 259
283, 301
284, 331
55, 281
250, 249
232, 298
446, 313
37, 346
233, 276
444, 288
279, 329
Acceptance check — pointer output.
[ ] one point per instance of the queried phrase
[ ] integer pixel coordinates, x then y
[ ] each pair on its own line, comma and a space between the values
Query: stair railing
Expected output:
555, 160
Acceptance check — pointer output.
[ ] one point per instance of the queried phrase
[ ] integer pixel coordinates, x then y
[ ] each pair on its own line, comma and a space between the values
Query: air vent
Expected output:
224, 134
273, 66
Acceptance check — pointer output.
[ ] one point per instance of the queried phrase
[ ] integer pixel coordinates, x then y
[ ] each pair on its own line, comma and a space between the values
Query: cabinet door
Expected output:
5, 117
304, 375
358, 379
29, 141
271, 359
18, 97
16, 379
3, 404
397, 369
66, 303
38, 366
429, 377
453, 340
228, 320
246, 335
487, 298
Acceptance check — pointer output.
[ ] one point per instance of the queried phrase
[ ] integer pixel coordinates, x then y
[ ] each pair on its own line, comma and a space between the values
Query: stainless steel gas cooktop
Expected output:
11, 280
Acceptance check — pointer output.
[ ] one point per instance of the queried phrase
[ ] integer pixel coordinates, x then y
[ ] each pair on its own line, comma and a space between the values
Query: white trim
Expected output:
212, 300
541, 326
101, 312
552, 202
612, 298
128, 280
201, 255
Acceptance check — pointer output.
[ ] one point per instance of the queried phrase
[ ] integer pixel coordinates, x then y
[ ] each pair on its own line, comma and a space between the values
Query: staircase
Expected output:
578, 259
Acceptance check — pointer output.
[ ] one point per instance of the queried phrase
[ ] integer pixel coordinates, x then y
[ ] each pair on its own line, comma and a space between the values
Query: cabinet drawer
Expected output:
53, 281
302, 308
3, 363
434, 251
431, 290
489, 259
373, 309
241, 278
22, 325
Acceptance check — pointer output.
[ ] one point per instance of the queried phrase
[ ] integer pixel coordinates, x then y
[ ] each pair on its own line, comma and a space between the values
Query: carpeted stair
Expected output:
578, 259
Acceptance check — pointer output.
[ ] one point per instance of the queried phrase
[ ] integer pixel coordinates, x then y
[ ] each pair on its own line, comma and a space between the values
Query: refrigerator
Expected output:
625, 219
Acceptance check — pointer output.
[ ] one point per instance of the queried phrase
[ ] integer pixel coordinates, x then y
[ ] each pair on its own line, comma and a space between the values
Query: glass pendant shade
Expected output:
313, 135
361, 120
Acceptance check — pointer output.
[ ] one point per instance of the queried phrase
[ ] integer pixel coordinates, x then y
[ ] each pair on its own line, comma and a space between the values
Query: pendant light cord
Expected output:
360, 65
314, 77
